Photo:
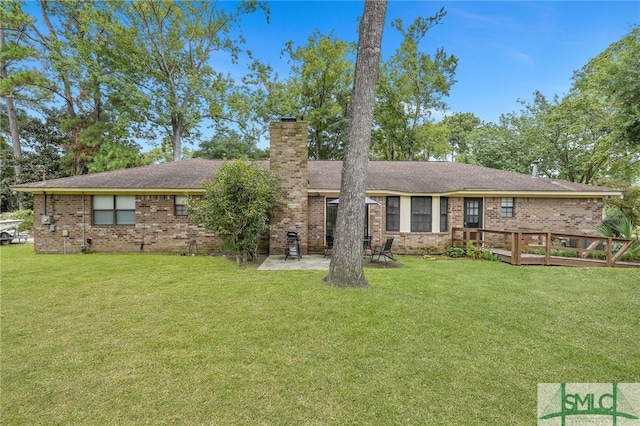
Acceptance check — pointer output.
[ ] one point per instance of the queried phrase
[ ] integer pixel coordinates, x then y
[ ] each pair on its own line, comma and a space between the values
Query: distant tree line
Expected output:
85, 84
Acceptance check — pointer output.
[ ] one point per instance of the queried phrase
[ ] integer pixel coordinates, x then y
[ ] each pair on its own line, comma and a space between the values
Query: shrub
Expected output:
237, 206
454, 252
487, 254
632, 254
474, 252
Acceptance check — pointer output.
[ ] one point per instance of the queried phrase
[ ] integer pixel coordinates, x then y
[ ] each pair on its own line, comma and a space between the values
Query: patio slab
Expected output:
317, 262
277, 263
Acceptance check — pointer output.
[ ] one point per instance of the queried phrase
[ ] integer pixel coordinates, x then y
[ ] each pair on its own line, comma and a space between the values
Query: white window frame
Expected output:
110, 210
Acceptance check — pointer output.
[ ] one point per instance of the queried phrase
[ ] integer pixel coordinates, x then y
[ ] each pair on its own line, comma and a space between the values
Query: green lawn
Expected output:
150, 339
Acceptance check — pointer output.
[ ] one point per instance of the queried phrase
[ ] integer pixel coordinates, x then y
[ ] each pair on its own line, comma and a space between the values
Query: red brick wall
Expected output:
289, 158
316, 229
571, 215
157, 229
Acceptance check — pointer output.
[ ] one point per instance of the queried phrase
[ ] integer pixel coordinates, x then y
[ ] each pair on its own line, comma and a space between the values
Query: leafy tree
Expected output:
586, 136
570, 138
412, 85
433, 141
92, 80
460, 126
44, 155
317, 91
499, 146
115, 156
7, 198
238, 205
263, 97
345, 269
615, 75
175, 44
230, 145
322, 75
15, 76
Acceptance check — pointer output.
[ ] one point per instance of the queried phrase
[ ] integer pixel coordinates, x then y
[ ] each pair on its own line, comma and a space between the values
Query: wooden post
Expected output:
547, 250
515, 250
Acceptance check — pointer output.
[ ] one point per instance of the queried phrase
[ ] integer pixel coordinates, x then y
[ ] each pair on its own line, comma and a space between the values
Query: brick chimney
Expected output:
289, 159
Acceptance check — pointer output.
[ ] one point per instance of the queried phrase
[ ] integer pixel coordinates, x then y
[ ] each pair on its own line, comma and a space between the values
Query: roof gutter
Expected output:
137, 191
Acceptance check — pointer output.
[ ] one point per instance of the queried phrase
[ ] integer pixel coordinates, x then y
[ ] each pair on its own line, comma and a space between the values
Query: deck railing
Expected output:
528, 247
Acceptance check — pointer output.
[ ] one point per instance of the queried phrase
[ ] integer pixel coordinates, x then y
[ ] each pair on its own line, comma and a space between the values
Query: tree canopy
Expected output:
589, 135
412, 86
114, 76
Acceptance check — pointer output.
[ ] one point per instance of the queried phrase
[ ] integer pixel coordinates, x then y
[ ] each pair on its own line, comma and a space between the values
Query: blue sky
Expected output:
506, 50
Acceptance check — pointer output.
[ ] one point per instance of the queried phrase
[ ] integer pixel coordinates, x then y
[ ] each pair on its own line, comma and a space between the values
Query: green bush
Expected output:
454, 252
487, 254
632, 254
474, 252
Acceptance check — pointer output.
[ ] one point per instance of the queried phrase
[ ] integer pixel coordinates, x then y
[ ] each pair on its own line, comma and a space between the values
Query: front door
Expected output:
473, 214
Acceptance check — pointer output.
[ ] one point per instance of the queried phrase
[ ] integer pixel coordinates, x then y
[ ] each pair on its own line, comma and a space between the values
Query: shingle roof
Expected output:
383, 176
185, 175
440, 177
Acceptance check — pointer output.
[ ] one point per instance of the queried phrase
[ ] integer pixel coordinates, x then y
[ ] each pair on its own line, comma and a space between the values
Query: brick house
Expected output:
144, 209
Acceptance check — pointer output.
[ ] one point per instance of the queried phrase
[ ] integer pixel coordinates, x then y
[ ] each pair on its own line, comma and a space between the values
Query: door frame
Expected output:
480, 201
467, 200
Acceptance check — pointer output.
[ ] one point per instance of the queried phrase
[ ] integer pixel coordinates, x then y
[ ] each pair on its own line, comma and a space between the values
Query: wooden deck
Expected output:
546, 248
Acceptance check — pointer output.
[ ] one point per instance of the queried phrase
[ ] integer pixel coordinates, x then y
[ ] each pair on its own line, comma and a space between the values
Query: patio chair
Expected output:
384, 251
329, 246
366, 245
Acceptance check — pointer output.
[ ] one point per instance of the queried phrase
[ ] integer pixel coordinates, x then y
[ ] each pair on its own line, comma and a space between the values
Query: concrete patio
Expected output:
277, 263
317, 262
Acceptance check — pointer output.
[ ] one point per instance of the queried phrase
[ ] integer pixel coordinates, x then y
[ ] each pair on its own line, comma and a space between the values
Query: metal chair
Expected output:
384, 251
329, 246
366, 245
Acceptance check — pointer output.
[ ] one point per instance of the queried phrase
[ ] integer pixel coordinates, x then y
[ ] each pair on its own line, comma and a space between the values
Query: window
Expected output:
114, 210
444, 207
393, 213
507, 207
181, 205
420, 214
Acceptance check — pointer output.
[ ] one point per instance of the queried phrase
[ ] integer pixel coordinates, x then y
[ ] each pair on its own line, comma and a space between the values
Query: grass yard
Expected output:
150, 339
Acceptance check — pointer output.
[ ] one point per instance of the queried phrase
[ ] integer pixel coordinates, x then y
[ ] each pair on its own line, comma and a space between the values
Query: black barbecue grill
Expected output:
293, 246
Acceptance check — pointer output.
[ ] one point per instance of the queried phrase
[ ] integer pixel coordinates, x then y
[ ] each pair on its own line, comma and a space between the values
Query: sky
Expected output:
506, 50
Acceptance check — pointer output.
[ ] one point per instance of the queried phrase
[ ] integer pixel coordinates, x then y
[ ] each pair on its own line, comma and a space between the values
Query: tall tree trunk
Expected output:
17, 149
12, 115
176, 136
345, 269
